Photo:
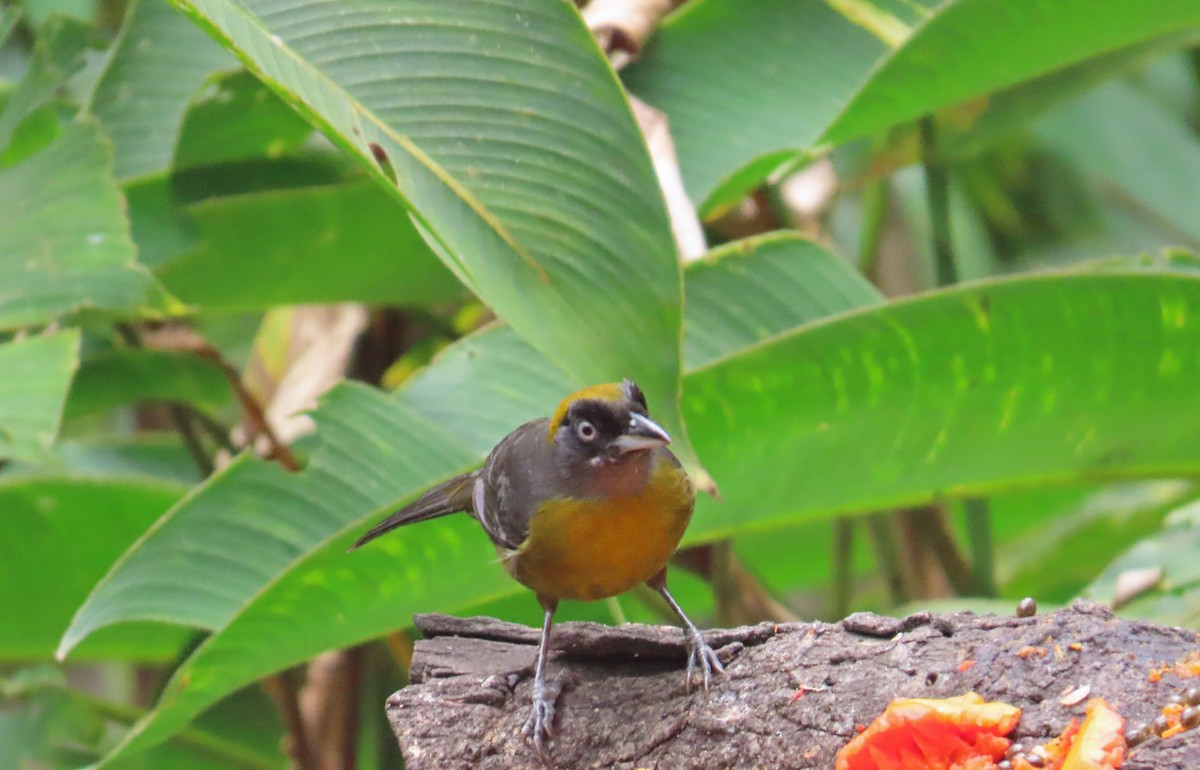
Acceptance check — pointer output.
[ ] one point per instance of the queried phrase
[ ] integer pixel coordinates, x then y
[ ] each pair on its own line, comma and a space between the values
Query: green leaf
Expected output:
58, 55
1145, 155
782, 280
808, 62
238, 118
337, 243
126, 376
269, 518
851, 84
1014, 108
37, 374
1057, 557
965, 392
47, 724
508, 137
69, 531
1176, 598
36, 728
1032, 381
158, 64
966, 50
1178, 607
974, 255
152, 455
9, 16
64, 238
42, 11
484, 385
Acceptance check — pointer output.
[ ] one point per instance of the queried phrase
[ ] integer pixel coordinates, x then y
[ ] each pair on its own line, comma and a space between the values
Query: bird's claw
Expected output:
703, 658
539, 727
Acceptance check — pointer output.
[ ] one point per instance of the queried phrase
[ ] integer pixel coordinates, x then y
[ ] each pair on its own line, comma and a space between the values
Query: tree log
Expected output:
793, 694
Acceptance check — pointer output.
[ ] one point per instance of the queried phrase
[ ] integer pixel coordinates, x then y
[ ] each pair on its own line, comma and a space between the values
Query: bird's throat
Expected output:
625, 476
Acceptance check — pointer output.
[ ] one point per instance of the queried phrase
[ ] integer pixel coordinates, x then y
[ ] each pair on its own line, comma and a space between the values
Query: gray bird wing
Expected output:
519, 473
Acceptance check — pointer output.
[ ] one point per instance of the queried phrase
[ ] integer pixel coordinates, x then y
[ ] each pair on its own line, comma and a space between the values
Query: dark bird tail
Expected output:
446, 498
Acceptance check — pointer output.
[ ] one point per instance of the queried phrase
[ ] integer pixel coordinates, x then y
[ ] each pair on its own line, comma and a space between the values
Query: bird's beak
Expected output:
642, 433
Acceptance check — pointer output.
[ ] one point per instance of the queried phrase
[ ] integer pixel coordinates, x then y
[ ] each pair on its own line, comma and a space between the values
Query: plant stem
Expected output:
213, 427
254, 413
979, 538
282, 690
934, 531
843, 567
614, 609
937, 188
177, 412
725, 589
887, 554
182, 421
874, 201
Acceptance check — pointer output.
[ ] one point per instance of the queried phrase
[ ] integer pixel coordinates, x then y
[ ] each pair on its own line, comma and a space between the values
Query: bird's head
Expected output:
603, 424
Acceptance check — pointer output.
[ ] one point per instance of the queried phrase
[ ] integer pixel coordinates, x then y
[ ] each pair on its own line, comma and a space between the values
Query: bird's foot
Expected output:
539, 727
701, 658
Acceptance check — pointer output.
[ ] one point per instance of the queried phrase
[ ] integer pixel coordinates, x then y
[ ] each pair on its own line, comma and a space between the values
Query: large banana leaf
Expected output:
503, 130
987, 387
857, 68
1015, 382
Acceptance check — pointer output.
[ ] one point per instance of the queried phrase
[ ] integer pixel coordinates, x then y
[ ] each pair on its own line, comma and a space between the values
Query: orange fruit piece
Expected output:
1100, 744
1097, 744
963, 733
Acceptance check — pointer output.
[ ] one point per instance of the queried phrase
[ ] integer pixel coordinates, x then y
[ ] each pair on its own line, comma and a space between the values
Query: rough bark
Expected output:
794, 693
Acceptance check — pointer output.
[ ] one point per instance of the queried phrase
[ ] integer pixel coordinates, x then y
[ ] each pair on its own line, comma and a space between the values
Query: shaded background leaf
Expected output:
313, 244
61, 556
126, 376
63, 235
37, 373
156, 67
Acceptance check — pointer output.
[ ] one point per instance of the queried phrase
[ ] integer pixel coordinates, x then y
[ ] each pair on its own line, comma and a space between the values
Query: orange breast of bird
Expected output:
593, 549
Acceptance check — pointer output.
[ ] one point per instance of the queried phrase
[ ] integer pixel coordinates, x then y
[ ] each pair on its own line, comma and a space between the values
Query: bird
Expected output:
582, 505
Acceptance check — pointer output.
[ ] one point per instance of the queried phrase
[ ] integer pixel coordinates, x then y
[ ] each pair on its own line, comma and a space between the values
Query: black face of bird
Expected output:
596, 431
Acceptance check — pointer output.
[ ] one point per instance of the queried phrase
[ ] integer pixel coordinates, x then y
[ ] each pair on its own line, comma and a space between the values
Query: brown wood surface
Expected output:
794, 694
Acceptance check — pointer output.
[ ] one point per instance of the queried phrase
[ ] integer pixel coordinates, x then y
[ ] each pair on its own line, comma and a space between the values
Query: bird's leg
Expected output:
540, 725
700, 655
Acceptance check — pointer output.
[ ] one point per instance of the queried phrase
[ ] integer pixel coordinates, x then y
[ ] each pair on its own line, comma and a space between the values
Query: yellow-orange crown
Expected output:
609, 391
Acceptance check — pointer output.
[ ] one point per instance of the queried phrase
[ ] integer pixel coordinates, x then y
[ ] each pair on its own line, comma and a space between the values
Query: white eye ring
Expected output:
585, 430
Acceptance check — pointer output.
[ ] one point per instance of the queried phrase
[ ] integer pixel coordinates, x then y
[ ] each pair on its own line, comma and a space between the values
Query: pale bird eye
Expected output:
586, 430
